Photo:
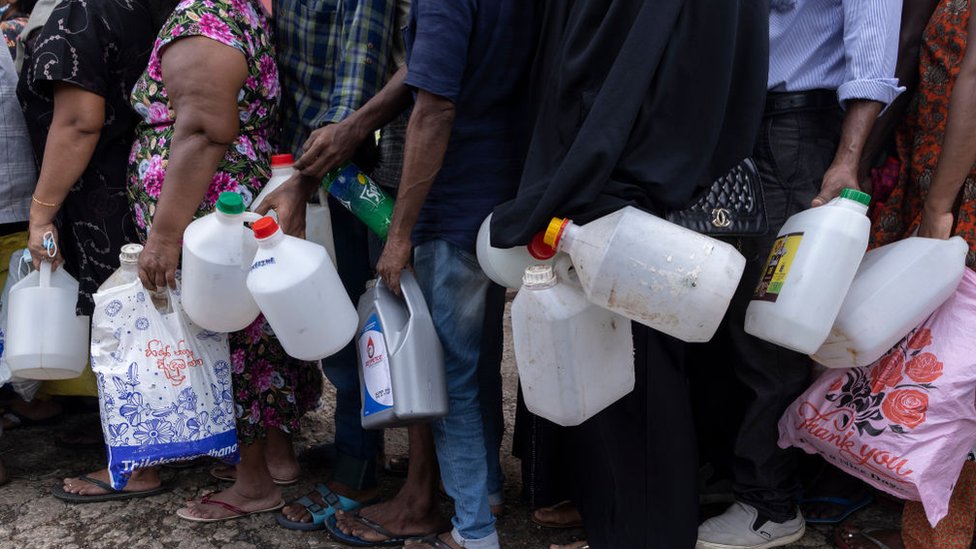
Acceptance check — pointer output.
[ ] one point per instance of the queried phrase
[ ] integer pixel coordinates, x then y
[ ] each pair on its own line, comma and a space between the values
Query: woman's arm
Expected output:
958, 149
79, 116
203, 78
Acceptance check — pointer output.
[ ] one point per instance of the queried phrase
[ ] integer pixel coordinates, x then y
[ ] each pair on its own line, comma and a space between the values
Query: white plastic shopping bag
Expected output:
164, 384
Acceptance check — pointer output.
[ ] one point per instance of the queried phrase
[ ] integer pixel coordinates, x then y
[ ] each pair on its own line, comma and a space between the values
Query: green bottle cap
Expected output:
230, 203
856, 196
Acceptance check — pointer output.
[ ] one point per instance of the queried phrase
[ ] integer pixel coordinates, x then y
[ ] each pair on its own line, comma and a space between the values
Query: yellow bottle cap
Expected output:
555, 231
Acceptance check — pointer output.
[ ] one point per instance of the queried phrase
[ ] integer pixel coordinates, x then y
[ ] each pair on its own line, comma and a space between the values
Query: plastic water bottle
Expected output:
401, 362
298, 289
128, 270
318, 218
651, 271
45, 338
574, 358
808, 274
505, 266
361, 196
217, 252
896, 288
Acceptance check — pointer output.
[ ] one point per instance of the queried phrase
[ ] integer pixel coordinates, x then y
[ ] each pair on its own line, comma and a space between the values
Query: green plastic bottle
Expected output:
361, 196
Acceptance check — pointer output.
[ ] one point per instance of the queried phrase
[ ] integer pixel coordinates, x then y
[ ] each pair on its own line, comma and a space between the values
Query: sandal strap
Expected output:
94, 481
378, 528
208, 500
434, 541
328, 496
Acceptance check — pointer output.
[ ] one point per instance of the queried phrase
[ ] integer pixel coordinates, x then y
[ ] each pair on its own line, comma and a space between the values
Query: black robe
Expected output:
639, 102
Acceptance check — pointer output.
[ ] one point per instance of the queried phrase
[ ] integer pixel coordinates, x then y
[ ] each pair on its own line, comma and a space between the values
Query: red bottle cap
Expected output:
264, 227
282, 160
539, 249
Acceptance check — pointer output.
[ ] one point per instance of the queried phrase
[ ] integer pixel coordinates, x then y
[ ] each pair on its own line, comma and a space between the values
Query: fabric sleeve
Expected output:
439, 56
366, 37
72, 47
871, 30
211, 19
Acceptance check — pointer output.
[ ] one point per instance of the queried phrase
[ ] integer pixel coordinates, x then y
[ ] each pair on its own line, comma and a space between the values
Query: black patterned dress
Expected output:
102, 46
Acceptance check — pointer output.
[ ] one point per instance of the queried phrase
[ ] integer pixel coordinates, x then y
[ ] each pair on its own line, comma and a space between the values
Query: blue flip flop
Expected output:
392, 540
319, 513
848, 507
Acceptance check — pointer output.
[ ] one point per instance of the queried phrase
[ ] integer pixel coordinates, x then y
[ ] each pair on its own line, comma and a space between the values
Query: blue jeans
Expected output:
454, 287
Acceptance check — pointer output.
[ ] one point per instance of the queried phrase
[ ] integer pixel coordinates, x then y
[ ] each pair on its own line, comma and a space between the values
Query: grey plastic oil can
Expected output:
401, 362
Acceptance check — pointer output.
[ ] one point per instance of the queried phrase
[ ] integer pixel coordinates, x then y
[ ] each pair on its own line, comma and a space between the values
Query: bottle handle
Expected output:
566, 271
45, 271
251, 217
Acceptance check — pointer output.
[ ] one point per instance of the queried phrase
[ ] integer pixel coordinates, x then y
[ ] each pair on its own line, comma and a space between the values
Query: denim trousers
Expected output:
455, 289
793, 152
356, 447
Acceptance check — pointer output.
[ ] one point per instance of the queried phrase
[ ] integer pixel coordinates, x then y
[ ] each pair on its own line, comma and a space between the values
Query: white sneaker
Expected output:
736, 528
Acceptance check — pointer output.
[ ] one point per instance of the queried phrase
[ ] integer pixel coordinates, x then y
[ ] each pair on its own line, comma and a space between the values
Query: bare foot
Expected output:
574, 545
401, 516
232, 497
561, 515
297, 512
850, 537
447, 538
140, 481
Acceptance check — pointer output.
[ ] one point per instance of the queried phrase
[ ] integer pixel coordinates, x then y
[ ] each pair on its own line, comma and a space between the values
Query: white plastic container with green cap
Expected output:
651, 271
809, 272
574, 358
217, 253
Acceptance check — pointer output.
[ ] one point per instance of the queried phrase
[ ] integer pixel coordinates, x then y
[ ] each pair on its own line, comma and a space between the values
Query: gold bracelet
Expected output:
46, 204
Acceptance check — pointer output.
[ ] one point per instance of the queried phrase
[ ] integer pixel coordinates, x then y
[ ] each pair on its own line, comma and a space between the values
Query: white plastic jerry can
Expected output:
651, 271
217, 253
297, 288
896, 288
574, 358
808, 273
401, 362
45, 338
318, 218
505, 266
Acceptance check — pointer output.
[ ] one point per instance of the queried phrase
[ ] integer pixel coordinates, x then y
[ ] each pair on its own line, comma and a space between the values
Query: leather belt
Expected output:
780, 103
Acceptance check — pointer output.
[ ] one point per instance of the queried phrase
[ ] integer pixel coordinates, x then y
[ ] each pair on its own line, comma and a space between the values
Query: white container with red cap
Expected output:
299, 291
318, 219
651, 271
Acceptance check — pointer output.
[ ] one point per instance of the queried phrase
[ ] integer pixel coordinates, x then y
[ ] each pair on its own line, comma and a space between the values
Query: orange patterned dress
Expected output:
920, 133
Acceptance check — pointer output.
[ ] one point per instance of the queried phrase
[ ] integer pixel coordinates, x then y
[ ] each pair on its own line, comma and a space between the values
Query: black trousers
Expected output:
638, 459
793, 152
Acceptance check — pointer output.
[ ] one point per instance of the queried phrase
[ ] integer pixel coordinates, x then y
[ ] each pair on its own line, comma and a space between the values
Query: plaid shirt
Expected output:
18, 173
333, 56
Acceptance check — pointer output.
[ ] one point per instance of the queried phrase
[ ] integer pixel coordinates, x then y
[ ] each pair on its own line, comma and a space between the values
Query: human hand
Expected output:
42, 241
288, 201
327, 148
395, 258
936, 224
837, 178
159, 260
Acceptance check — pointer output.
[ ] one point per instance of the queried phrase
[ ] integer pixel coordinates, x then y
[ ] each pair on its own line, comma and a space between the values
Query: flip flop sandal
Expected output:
433, 541
843, 538
238, 512
319, 513
557, 525
392, 540
112, 495
229, 478
847, 508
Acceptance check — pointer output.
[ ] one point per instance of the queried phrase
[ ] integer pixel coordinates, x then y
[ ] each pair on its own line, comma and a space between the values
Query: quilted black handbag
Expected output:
732, 206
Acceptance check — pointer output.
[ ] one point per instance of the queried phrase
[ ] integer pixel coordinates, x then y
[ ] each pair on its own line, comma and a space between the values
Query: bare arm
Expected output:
842, 174
428, 134
202, 78
79, 116
958, 150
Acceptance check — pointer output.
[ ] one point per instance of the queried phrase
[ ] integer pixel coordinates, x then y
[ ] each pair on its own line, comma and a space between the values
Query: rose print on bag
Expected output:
925, 368
889, 372
906, 407
921, 339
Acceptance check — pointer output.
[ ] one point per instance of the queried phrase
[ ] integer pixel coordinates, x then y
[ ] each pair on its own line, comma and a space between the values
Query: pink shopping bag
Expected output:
905, 423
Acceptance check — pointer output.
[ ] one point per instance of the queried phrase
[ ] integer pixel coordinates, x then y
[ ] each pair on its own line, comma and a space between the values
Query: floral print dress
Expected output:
271, 389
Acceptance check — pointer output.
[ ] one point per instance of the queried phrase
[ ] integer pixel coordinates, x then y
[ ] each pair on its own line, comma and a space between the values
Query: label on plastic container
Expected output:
778, 267
377, 384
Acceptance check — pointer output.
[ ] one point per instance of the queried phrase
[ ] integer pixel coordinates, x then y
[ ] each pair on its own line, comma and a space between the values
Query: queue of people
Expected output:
123, 122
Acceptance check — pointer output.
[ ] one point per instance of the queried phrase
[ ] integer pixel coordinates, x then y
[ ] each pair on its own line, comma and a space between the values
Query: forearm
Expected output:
958, 146
859, 119
194, 158
385, 106
428, 134
67, 152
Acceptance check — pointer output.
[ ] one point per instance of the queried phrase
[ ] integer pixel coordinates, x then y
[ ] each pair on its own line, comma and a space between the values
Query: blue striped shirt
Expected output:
846, 45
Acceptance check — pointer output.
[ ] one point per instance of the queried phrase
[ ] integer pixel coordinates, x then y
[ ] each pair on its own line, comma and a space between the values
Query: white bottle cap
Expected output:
538, 277
130, 253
